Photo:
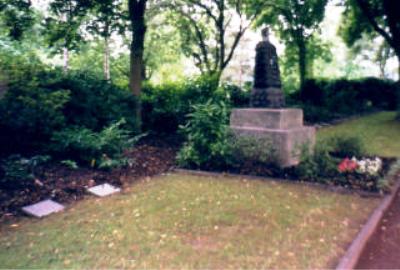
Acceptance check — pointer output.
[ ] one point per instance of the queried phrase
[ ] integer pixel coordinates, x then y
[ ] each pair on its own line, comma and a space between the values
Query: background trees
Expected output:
211, 30
373, 18
296, 22
136, 42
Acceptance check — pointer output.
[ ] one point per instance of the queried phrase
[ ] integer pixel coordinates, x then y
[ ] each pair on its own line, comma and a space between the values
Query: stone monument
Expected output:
267, 118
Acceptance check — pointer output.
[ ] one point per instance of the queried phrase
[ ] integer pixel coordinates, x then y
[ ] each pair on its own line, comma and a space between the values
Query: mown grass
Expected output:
380, 133
182, 221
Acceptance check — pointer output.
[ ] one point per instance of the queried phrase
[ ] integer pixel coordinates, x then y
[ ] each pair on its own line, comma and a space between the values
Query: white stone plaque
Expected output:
103, 190
43, 208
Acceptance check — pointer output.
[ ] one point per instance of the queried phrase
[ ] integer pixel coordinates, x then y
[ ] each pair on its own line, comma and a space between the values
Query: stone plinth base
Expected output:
283, 127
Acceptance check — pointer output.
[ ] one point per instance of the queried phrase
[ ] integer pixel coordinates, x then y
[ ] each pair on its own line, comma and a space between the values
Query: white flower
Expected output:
368, 166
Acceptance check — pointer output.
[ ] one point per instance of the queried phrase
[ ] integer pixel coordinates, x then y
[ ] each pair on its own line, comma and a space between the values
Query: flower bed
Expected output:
354, 179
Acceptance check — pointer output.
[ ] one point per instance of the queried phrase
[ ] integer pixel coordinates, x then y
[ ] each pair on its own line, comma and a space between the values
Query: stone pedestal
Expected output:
284, 127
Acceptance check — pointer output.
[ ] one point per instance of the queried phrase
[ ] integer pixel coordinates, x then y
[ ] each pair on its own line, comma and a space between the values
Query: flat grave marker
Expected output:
104, 190
43, 208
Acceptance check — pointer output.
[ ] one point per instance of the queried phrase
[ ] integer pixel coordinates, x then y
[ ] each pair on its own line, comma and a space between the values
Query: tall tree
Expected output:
211, 30
137, 11
106, 17
63, 25
295, 21
372, 17
16, 17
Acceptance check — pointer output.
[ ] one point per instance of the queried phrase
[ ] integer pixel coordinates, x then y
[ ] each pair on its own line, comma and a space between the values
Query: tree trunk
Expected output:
398, 62
106, 63
302, 62
66, 60
137, 10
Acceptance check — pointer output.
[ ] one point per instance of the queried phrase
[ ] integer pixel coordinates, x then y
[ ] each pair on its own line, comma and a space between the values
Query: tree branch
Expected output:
366, 10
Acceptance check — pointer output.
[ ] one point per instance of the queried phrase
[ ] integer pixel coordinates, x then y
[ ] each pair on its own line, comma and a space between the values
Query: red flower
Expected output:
347, 165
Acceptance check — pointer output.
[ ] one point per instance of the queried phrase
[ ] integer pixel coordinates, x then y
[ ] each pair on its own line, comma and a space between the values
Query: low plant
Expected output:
385, 183
316, 165
206, 135
252, 150
70, 164
346, 146
17, 171
89, 147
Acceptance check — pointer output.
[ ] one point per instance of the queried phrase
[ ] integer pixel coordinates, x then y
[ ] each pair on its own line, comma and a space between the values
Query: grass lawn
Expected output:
380, 133
182, 221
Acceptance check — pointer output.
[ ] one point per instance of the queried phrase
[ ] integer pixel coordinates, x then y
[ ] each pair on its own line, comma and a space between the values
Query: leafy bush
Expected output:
90, 147
347, 146
17, 172
249, 150
40, 102
165, 106
28, 117
316, 166
206, 131
324, 100
94, 103
237, 96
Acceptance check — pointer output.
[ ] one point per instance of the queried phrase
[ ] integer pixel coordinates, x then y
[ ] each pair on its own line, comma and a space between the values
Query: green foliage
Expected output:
90, 147
39, 102
62, 26
324, 100
94, 103
365, 17
317, 165
237, 96
203, 30
29, 115
296, 23
248, 150
165, 106
347, 146
70, 164
16, 17
206, 132
16, 171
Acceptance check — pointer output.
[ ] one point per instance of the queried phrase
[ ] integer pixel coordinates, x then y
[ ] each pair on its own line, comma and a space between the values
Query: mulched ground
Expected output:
383, 249
152, 156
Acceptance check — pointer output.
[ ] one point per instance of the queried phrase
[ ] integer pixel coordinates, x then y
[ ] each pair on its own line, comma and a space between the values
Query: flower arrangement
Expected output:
369, 166
362, 166
347, 165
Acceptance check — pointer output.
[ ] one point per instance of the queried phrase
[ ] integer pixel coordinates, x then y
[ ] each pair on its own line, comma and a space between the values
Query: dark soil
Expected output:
383, 249
152, 156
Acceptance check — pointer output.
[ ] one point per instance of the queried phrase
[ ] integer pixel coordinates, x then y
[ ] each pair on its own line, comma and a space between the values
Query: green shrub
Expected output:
317, 165
17, 172
90, 147
347, 146
165, 106
94, 103
28, 117
235, 95
206, 132
252, 150
324, 100
40, 102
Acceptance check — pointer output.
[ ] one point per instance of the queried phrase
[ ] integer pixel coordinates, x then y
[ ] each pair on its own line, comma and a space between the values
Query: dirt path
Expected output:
383, 249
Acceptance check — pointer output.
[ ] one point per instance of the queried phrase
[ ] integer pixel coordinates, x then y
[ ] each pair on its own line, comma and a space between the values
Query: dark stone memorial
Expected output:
267, 118
267, 92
